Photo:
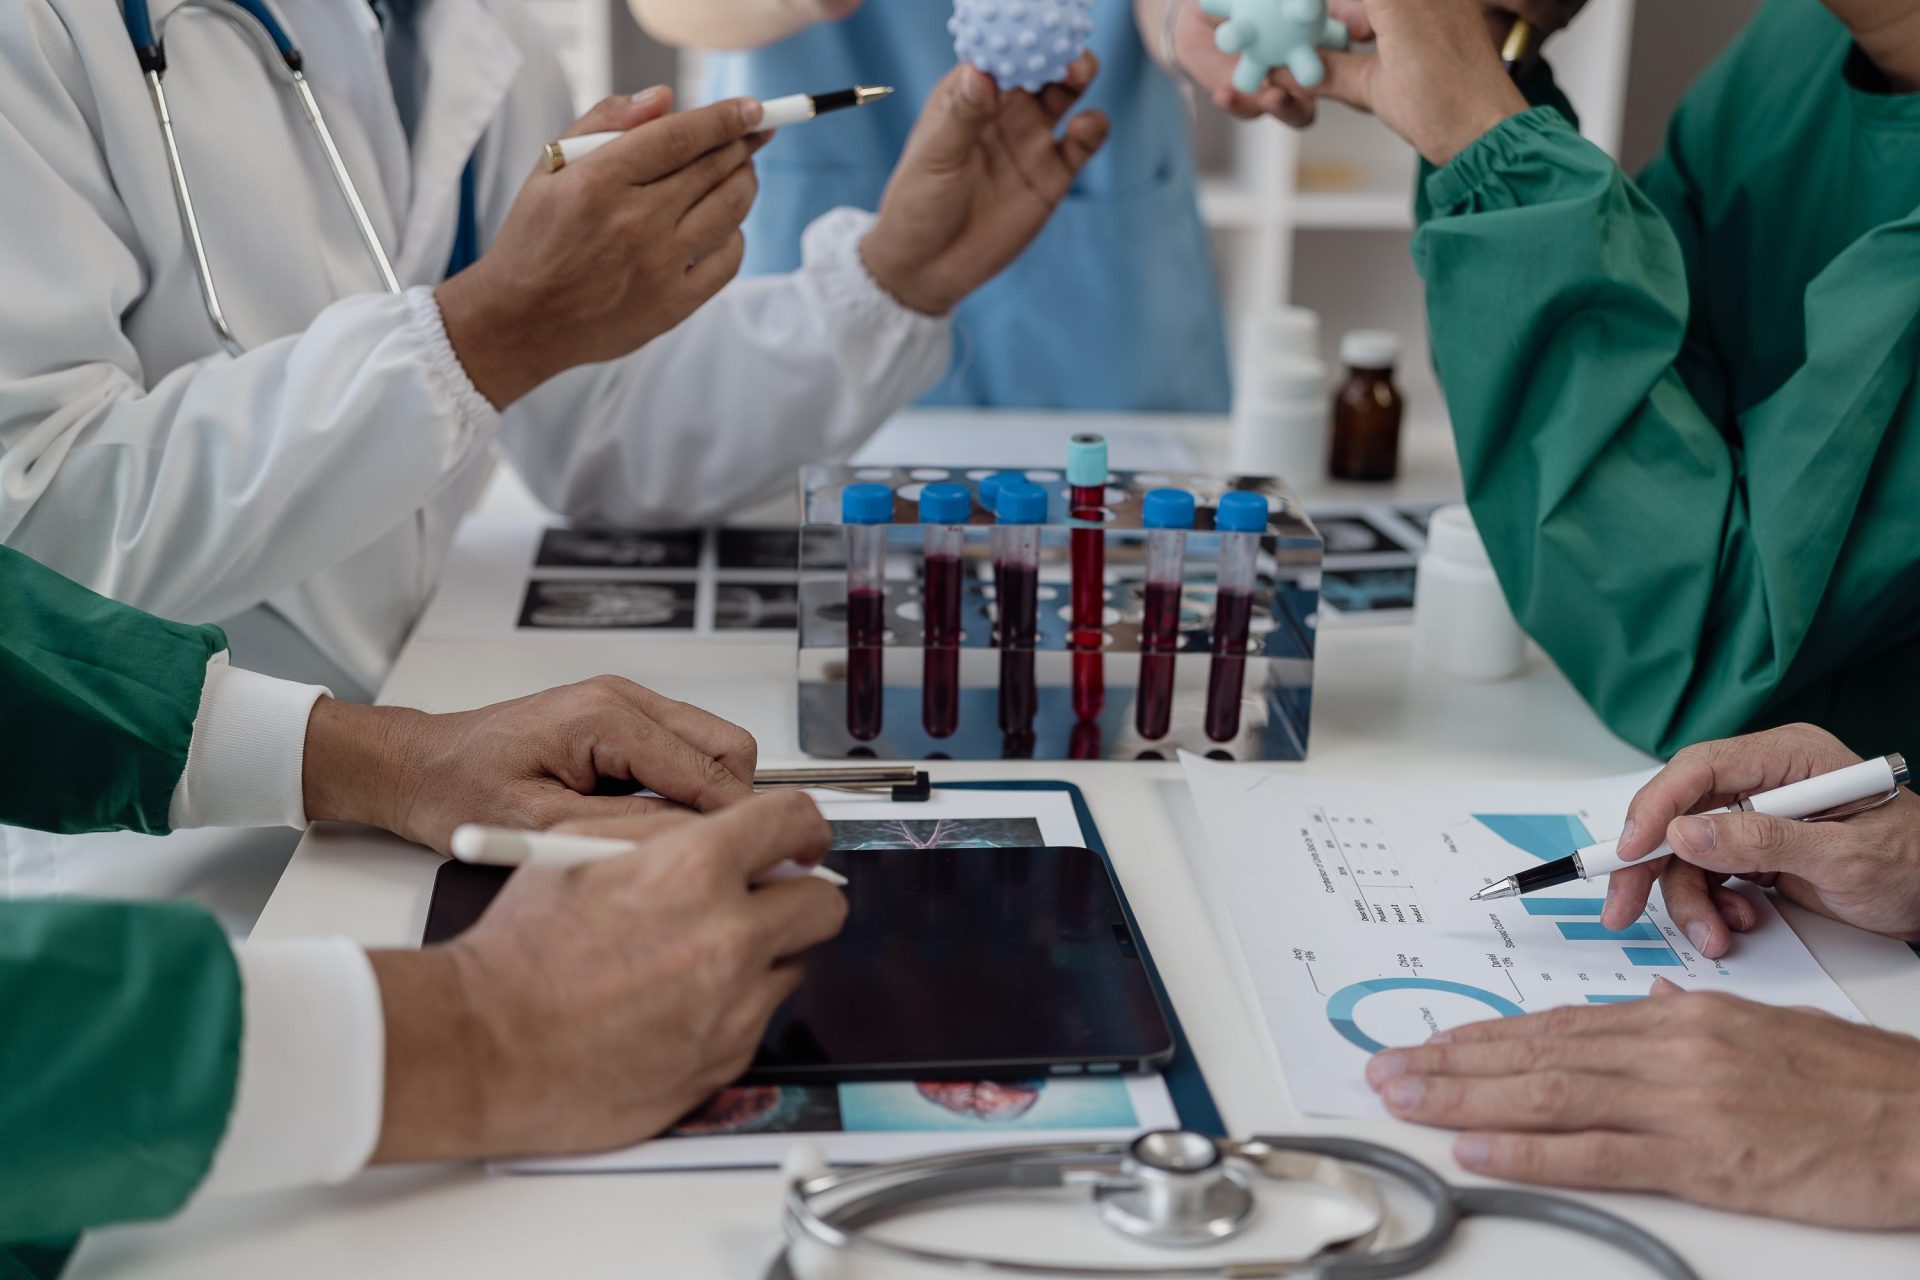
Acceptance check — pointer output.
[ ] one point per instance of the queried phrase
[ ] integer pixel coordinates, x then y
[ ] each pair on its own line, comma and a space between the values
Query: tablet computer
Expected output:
955, 964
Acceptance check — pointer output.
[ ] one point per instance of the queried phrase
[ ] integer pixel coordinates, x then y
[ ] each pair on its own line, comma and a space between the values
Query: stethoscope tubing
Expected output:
921, 1182
256, 20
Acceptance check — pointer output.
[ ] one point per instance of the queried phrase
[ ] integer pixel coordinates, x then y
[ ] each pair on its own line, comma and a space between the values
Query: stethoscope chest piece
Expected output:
1176, 1190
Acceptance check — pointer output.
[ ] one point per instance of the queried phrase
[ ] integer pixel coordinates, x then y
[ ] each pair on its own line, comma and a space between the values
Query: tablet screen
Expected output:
970, 964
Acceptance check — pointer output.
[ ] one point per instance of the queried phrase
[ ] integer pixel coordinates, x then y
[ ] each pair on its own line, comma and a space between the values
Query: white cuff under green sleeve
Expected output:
244, 763
307, 1106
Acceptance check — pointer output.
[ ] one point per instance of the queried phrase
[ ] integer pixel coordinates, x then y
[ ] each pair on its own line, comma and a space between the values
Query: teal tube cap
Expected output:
1087, 460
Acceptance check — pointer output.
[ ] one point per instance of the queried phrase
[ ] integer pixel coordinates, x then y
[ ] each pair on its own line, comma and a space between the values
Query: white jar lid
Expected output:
1370, 349
1452, 535
1277, 331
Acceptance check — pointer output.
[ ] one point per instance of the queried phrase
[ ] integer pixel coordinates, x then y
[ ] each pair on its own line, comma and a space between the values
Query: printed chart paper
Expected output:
1349, 900
856, 1123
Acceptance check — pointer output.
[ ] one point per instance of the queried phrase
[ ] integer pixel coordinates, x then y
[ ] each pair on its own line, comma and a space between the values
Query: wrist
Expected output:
492, 339
437, 1101
360, 763
900, 278
1477, 117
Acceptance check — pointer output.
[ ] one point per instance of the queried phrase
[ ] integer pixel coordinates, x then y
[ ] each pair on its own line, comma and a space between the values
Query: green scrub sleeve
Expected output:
120, 1057
98, 700
1685, 564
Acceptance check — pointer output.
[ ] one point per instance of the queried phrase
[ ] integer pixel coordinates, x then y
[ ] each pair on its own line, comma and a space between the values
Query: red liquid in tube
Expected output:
1159, 641
866, 640
940, 688
1089, 551
1232, 622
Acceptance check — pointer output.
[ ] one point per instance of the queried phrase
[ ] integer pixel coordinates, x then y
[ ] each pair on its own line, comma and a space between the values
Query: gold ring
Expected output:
556, 158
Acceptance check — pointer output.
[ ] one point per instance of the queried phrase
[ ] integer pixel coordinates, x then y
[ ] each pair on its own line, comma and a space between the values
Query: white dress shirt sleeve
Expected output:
774, 372
307, 1106
244, 764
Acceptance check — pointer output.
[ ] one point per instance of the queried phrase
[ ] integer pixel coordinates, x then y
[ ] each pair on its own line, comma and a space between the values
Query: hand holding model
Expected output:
1790, 1113
1864, 871
597, 260
982, 172
591, 1007
529, 763
1434, 76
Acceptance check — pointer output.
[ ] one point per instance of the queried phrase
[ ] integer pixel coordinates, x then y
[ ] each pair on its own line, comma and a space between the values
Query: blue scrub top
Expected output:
1113, 307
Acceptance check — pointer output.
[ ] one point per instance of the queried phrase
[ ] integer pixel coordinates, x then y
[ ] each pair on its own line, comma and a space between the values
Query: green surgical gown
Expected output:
119, 1022
1685, 405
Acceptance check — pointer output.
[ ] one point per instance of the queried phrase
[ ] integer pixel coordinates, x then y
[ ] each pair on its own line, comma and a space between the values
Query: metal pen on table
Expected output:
505, 847
780, 113
1840, 794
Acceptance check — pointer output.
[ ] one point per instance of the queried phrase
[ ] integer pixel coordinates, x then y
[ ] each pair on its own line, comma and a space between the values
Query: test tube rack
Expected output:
1277, 696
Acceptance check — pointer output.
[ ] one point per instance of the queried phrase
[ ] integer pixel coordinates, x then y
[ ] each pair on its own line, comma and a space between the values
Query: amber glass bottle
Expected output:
1367, 409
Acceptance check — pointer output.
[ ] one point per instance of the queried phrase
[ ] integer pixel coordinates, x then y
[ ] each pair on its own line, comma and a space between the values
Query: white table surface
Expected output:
1374, 717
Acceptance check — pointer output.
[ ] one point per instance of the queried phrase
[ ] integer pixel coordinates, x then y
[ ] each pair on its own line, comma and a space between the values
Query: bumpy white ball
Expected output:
1022, 44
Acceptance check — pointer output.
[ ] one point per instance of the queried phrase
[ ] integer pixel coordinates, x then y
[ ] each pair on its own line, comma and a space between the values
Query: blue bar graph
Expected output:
1653, 957
1613, 999
1594, 931
1563, 906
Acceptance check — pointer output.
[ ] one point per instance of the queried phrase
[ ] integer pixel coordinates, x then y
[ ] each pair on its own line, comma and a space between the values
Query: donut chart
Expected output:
1343, 1003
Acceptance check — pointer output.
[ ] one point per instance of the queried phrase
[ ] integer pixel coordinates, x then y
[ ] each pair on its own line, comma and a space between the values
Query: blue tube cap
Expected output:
1087, 460
1241, 512
945, 503
1167, 509
1021, 502
990, 487
866, 504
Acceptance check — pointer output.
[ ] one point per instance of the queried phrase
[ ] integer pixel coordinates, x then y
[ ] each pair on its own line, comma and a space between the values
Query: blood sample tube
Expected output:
1087, 500
866, 510
1167, 514
1241, 519
1019, 508
944, 509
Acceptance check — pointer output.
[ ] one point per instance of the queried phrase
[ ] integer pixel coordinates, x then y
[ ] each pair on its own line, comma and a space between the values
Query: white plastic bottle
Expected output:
1462, 625
1280, 411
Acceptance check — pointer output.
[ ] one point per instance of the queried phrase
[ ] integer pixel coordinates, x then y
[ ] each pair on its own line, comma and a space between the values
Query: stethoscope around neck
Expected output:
255, 20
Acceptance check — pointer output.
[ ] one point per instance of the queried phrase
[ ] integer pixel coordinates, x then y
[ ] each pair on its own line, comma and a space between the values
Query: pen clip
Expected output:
1855, 809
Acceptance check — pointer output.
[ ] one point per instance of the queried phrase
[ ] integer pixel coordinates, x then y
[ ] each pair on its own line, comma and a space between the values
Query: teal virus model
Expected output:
1270, 34
1022, 44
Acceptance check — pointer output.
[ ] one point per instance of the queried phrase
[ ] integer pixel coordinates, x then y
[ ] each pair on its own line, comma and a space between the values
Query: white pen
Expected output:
779, 113
503, 847
1854, 785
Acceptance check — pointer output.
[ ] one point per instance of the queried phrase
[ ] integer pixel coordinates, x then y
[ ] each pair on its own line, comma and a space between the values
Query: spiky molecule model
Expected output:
1270, 34
1022, 44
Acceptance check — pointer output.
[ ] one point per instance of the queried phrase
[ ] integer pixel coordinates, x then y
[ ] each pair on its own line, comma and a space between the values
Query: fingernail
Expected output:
973, 87
1440, 1037
1385, 1066
1693, 835
751, 112
1697, 935
1472, 1150
647, 97
1406, 1091
1665, 984
1626, 834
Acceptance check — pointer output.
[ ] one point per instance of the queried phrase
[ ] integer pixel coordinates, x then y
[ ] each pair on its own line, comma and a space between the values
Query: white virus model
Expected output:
1022, 44
1270, 34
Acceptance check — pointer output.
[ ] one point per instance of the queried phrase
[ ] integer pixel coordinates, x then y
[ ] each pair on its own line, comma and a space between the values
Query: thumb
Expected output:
958, 112
1737, 843
1349, 78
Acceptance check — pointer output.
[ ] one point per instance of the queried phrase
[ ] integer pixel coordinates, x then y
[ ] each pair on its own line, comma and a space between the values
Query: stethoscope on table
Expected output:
1172, 1189
257, 21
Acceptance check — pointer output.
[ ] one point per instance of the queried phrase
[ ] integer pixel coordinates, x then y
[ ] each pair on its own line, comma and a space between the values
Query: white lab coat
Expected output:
321, 475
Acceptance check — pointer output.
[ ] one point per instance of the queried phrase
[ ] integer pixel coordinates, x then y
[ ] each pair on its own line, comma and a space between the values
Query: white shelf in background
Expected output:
1352, 210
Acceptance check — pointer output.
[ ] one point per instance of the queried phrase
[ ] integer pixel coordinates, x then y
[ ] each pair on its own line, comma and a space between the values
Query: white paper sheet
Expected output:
1349, 904
860, 1123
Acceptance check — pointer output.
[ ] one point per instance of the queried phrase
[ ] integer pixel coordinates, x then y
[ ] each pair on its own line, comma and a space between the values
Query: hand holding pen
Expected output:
1864, 871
